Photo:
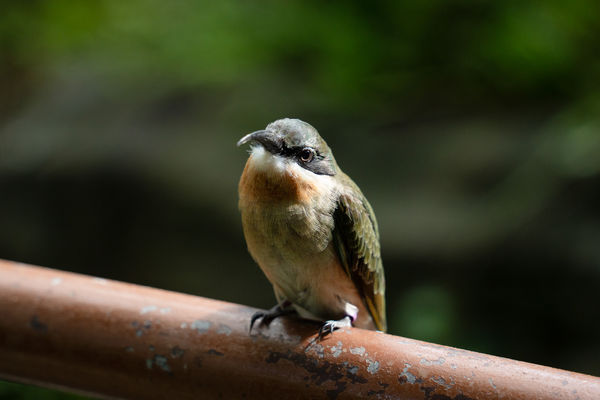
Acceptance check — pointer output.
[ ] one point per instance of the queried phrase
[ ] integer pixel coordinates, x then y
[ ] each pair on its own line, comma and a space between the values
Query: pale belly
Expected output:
294, 249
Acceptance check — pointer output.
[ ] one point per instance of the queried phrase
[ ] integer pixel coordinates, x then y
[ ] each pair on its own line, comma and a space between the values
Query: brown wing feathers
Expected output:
357, 240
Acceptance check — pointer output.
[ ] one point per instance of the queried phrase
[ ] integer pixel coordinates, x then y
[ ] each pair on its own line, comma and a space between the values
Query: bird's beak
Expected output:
267, 139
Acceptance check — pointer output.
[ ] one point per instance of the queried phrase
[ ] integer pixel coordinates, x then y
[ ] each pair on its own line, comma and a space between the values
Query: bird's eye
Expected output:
306, 155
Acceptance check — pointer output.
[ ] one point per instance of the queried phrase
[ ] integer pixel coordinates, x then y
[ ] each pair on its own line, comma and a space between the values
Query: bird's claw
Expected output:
268, 316
257, 315
331, 325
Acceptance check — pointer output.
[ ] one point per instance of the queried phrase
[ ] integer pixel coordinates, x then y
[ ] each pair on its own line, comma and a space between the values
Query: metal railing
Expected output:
116, 340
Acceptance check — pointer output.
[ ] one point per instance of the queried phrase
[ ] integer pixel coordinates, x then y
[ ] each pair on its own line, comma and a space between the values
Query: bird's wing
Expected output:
356, 238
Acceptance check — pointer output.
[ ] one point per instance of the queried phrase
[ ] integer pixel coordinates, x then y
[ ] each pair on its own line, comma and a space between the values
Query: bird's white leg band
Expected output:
351, 311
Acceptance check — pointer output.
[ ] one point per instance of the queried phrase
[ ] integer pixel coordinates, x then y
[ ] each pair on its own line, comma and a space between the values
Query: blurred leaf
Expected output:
425, 313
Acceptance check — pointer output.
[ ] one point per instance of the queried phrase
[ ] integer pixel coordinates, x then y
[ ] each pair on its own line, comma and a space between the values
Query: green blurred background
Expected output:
473, 127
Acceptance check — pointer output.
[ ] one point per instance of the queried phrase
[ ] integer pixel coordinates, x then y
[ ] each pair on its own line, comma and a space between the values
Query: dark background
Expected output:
473, 128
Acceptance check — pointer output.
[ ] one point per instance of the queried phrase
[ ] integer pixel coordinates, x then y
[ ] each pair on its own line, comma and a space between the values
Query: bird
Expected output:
311, 230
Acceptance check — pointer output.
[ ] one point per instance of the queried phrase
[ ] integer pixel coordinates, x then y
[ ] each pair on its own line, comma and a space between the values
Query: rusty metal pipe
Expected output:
116, 340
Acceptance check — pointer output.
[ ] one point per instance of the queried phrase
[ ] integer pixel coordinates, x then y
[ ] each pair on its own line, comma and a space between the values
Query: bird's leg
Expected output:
346, 322
284, 308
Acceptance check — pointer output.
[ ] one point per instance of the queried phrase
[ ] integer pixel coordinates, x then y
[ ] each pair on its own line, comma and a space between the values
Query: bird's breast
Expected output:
287, 219
268, 179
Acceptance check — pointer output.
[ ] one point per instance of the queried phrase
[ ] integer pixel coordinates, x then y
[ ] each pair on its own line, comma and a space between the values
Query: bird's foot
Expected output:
267, 316
331, 325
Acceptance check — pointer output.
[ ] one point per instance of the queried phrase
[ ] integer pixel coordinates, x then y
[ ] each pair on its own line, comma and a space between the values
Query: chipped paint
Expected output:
165, 310
99, 281
147, 309
161, 362
442, 382
493, 384
200, 326
141, 328
151, 348
317, 348
357, 350
373, 366
406, 376
56, 281
337, 349
183, 325
224, 330
428, 363
353, 369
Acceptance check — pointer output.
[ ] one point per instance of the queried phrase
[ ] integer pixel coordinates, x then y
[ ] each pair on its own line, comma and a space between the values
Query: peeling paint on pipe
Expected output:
116, 340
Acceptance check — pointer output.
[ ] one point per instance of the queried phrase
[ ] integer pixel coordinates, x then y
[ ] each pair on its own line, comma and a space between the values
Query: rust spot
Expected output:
321, 371
431, 395
429, 391
339, 388
380, 392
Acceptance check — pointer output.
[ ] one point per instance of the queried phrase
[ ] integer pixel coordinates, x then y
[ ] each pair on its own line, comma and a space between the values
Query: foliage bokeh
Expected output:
472, 127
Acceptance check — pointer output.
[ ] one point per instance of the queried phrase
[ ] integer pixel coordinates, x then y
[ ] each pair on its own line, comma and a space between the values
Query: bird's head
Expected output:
290, 142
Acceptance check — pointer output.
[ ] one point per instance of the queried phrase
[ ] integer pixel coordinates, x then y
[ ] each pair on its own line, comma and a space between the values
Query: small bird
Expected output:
311, 230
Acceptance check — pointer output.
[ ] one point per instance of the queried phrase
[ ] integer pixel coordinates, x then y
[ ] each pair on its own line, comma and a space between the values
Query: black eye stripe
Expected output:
287, 151
317, 165
296, 150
